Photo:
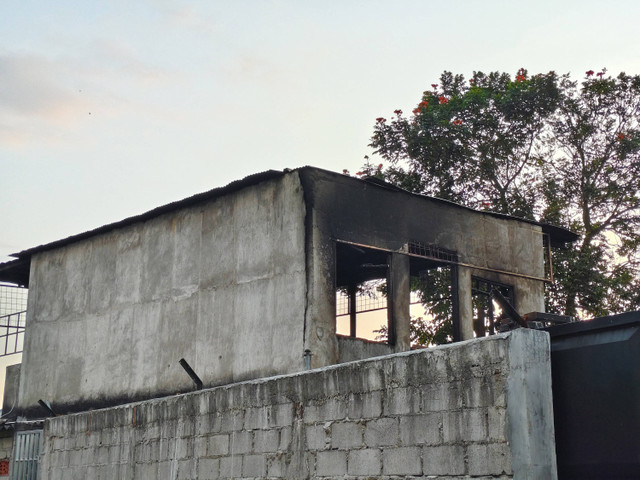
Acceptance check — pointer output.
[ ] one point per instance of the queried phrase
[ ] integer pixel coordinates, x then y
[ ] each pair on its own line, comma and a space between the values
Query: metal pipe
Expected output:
450, 262
191, 373
307, 359
47, 406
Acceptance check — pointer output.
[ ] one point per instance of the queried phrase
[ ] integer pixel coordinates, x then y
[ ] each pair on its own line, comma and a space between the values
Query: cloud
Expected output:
41, 97
33, 86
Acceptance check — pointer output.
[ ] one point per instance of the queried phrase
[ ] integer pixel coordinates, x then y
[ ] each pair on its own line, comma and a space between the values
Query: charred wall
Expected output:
342, 208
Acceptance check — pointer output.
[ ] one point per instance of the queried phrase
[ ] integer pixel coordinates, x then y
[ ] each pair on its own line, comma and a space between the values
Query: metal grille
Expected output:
12, 299
368, 299
13, 318
432, 251
26, 455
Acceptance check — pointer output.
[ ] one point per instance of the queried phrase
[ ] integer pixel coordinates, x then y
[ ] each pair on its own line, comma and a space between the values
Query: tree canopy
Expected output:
542, 147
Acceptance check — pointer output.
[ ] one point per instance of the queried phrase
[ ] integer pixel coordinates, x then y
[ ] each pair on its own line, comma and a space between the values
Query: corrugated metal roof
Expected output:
17, 271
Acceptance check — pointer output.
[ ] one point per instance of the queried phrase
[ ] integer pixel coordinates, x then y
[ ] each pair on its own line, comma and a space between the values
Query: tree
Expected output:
540, 147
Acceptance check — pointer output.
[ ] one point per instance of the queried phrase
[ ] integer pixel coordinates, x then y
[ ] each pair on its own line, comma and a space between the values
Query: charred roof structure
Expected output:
241, 282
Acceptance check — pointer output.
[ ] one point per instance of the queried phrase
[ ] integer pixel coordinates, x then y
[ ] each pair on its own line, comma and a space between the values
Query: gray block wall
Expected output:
478, 409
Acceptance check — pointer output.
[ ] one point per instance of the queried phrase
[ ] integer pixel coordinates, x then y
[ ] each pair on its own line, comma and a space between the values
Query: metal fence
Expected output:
26, 455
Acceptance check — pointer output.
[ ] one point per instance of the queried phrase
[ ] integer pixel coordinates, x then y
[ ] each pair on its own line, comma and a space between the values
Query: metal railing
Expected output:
12, 333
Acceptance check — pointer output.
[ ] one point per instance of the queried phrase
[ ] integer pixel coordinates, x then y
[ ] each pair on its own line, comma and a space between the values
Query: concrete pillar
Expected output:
399, 300
465, 308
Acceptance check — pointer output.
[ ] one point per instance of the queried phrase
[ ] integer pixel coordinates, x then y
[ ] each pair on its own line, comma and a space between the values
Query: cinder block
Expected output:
497, 417
421, 429
477, 392
333, 409
365, 405
316, 437
285, 438
240, 442
401, 401
255, 418
401, 461
218, 445
200, 446
254, 466
232, 421
281, 415
440, 397
185, 469
367, 461
465, 425
346, 435
331, 462
489, 459
208, 468
265, 441
184, 448
443, 460
382, 431
231, 466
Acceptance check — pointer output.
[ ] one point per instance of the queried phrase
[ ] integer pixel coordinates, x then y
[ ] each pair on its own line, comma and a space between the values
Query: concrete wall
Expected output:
477, 409
221, 284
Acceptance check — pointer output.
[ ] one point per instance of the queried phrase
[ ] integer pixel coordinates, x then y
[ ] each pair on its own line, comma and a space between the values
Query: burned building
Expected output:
242, 280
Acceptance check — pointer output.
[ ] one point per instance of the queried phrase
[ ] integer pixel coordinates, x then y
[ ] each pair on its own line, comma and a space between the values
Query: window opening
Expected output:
432, 315
487, 313
361, 290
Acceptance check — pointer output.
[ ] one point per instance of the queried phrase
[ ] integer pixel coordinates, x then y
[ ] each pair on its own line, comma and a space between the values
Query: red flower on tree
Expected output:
457, 121
381, 120
434, 85
621, 136
398, 112
589, 73
443, 100
600, 74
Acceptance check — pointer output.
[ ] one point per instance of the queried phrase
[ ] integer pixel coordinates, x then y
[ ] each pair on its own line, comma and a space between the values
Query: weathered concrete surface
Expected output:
221, 284
450, 412
11, 388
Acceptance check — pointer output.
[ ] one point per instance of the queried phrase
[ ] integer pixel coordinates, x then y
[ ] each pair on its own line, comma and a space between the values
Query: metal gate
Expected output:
26, 454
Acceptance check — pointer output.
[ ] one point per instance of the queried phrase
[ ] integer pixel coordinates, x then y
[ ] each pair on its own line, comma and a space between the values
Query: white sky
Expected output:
108, 109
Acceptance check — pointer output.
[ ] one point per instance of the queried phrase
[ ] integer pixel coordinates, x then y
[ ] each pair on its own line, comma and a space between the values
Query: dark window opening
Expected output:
361, 290
487, 313
364, 311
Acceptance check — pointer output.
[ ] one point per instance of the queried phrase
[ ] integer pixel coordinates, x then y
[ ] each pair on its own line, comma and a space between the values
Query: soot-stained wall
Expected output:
342, 208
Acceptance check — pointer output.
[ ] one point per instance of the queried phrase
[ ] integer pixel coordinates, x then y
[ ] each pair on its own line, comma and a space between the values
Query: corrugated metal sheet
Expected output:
26, 455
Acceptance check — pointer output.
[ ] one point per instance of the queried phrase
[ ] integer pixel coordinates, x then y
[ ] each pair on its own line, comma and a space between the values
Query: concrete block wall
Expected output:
478, 409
